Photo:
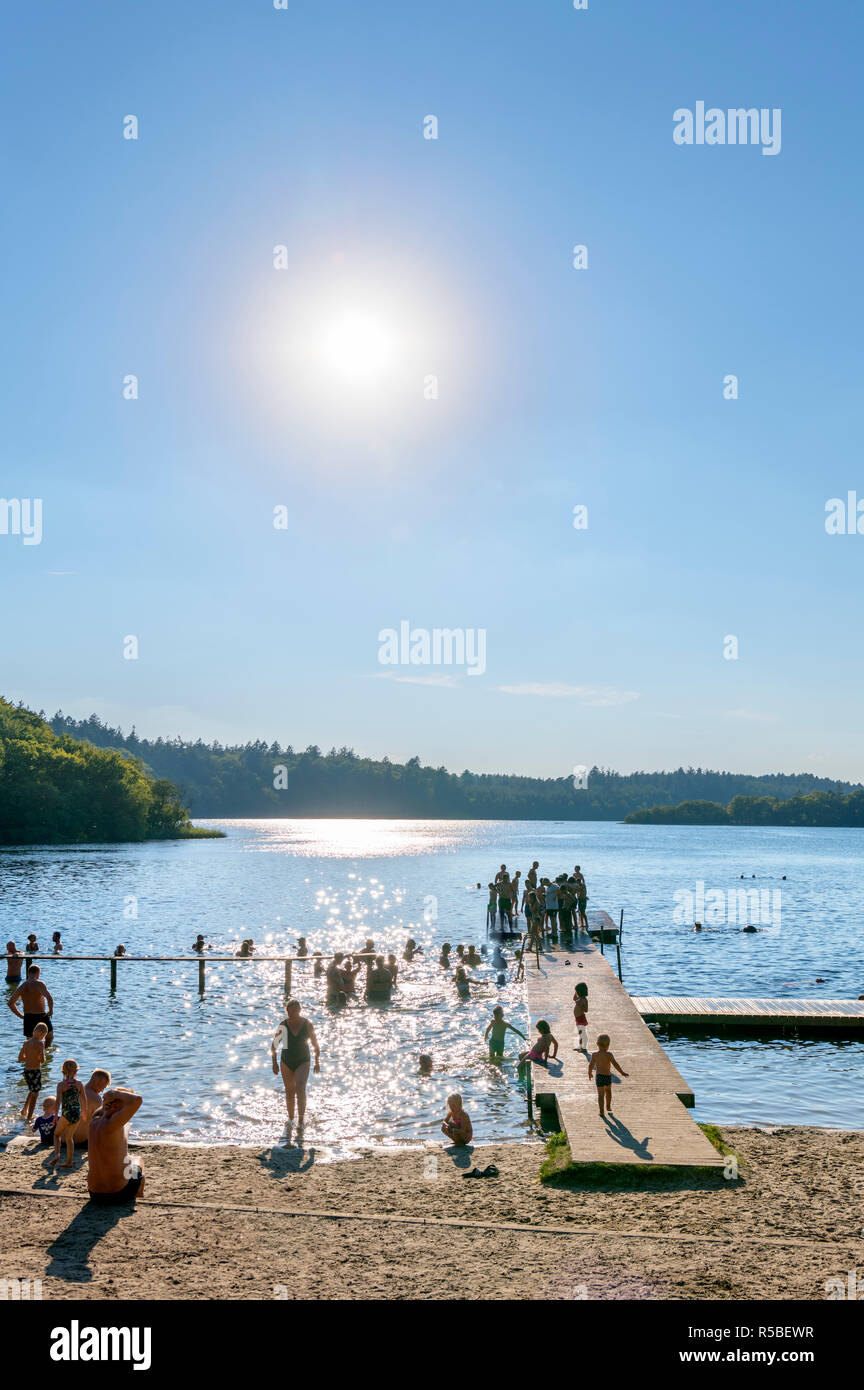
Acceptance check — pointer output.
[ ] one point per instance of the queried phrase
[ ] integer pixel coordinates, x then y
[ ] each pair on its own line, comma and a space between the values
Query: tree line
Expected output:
56, 789
259, 779
814, 808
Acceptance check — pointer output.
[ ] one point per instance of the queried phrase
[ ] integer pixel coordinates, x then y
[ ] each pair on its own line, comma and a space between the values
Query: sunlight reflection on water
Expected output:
203, 1064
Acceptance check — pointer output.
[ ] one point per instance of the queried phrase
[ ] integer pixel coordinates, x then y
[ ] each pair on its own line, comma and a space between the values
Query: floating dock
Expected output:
837, 1018
649, 1125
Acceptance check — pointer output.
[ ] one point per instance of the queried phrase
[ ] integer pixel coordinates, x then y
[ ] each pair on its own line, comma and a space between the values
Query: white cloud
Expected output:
449, 682
585, 694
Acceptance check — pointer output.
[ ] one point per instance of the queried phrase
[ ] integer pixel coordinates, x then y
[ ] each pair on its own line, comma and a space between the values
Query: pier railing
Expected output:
367, 957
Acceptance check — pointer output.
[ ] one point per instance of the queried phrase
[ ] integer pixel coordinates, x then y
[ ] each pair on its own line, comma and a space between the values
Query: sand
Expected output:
339, 1230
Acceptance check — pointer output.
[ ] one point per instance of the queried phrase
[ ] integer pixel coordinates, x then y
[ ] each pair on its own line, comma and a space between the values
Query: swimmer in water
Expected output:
496, 1033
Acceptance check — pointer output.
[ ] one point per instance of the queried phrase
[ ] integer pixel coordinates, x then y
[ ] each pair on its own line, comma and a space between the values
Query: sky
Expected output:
392, 418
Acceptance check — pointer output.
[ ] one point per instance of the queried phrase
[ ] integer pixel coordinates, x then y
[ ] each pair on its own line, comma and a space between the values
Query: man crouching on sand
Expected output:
114, 1178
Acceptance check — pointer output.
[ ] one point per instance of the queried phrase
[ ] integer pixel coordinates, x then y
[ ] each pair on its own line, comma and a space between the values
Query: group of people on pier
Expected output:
547, 905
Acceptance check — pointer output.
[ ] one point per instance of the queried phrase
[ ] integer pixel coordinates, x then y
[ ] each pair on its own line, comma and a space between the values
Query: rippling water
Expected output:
203, 1064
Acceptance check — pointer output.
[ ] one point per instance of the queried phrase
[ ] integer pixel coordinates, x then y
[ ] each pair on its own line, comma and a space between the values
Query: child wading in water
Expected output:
71, 1103
543, 1045
32, 1054
580, 1014
498, 1027
601, 1062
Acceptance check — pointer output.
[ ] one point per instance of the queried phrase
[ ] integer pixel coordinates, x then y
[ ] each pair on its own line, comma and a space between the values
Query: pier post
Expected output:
201, 976
287, 978
113, 973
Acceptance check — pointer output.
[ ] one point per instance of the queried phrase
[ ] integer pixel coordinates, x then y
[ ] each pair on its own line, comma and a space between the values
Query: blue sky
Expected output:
557, 387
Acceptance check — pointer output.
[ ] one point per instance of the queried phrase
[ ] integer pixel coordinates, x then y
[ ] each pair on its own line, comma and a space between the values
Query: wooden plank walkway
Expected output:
649, 1124
838, 1017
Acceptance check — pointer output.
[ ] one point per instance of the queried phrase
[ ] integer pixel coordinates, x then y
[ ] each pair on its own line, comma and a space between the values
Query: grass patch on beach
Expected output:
559, 1170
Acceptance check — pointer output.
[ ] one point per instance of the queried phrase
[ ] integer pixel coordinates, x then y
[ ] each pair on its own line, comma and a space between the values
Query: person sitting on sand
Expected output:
45, 1124
544, 1047
14, 962
93, 1097
57, 946
113, 1177
292, 1039
37, 1001
71, 1104
379, 980
444, 958
32, 1057
602, 1061
498, 1028
198, 944
457, 1123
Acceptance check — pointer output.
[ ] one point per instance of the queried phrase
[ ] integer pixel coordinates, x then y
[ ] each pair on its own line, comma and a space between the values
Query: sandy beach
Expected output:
229, 1223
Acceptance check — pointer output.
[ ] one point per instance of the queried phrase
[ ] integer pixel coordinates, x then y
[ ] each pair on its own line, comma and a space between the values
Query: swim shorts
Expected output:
33, 1077
121, 1198
30, 1021
604, 1080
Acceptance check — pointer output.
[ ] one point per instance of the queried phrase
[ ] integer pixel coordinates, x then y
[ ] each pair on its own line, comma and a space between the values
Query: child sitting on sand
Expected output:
498, 1027
46, 1123
542, 1048
601, 1061
32, 1055
457, 1123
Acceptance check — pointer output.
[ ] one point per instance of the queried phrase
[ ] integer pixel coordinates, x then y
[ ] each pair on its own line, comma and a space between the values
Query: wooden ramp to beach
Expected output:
833, 1017
649, 1124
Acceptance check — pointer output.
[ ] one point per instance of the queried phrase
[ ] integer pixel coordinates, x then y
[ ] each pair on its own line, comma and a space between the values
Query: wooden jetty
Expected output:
838, 1018
650, 1125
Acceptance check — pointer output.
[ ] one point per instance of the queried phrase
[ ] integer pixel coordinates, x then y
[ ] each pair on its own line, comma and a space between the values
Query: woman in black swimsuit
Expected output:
292, 1038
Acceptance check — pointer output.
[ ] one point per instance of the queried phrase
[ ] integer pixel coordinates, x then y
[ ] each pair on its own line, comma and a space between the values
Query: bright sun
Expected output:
358, 347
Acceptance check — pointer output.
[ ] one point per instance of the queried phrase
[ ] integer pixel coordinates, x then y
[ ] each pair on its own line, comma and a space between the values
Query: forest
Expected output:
814, 808
258, 779
56, 789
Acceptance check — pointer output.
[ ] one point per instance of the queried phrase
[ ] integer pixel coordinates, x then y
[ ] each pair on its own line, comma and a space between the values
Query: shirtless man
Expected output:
379, 980
334, 977
38, 1004
92, 1100
531, 876
112, 1176
14, 961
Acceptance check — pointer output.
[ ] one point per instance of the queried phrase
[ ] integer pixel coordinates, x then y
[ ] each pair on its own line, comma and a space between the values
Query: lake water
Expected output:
203, 1064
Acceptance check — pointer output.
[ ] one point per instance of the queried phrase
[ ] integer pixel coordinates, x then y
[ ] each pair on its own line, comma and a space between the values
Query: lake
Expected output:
203, 1064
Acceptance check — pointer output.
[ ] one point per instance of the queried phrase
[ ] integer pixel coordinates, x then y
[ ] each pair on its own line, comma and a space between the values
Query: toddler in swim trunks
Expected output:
32, 1055
602, 1061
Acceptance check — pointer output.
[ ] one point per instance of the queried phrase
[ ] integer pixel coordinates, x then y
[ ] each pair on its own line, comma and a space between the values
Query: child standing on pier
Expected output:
602, 1061
580, 1014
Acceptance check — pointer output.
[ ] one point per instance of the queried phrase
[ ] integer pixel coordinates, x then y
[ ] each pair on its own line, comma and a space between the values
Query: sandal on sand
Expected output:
475, 1173
490, 1172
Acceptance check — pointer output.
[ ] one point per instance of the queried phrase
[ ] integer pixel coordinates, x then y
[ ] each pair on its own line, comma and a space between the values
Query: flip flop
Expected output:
490, 1172
475, 1173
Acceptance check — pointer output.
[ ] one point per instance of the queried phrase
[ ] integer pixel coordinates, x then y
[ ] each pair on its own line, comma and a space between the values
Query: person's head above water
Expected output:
425, 1062
33, 973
